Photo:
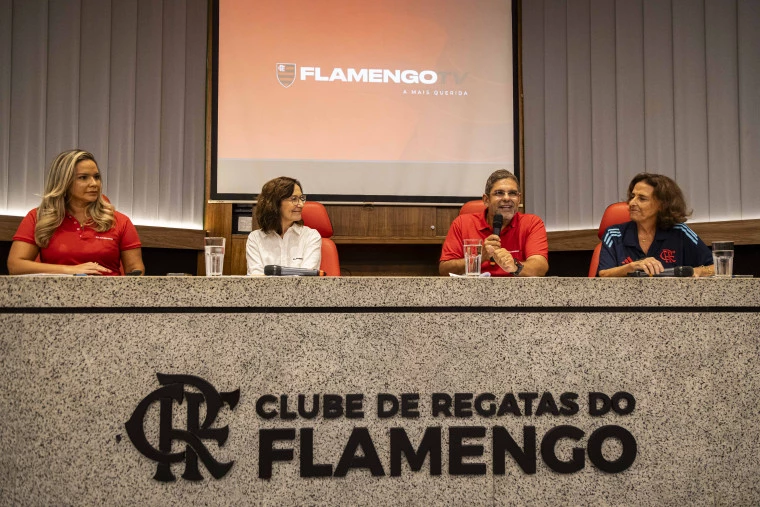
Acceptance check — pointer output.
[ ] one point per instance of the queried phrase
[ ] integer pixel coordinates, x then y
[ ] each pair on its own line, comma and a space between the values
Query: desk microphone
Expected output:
274, 270
498, 220
678, 271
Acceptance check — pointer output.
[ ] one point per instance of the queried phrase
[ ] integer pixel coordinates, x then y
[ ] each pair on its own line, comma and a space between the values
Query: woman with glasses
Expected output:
282, 240
656, 238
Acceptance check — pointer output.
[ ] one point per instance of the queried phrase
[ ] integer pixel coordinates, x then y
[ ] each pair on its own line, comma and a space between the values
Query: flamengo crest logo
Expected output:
286, 73
174, 390
668, 256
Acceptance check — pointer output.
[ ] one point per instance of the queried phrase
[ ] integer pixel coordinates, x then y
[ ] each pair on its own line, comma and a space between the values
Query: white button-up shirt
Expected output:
300, 247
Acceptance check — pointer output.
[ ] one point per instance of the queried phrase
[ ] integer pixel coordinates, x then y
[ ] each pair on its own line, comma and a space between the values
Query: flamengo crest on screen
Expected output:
286, 73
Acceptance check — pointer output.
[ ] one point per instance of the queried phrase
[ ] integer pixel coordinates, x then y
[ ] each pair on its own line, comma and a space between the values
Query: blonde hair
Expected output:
52, 209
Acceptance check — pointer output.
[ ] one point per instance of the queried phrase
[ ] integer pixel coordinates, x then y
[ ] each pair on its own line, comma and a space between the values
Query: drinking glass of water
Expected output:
723, 258
473, 252
214, 256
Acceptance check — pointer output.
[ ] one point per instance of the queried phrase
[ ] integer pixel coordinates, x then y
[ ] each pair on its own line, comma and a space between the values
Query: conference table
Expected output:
379, 391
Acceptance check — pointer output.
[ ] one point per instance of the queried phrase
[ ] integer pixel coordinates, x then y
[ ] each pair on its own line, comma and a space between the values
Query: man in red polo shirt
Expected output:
520, 249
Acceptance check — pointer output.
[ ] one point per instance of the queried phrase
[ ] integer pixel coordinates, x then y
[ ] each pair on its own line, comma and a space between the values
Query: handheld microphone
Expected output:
498, 220
275, 270
678, 272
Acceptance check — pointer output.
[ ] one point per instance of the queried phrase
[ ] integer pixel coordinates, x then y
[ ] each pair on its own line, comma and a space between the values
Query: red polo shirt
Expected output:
72, 244
523, 236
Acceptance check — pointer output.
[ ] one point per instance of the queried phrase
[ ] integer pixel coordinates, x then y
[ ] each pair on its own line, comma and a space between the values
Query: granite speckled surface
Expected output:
373, 291
69, 381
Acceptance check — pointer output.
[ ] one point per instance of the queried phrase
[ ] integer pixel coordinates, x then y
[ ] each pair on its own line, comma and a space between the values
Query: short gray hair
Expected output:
499, 174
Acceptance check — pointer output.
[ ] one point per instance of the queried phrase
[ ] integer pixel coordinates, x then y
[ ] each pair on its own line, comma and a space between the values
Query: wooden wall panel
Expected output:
386, 222
235, 254
443, 219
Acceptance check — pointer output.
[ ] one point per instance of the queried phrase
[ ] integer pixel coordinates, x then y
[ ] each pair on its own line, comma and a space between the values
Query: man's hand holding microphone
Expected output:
497, 254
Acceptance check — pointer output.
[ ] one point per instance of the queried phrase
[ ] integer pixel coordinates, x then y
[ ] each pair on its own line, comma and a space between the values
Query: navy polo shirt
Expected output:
677, 246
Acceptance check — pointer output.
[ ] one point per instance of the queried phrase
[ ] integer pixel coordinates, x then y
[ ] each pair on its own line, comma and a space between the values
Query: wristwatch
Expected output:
519, 268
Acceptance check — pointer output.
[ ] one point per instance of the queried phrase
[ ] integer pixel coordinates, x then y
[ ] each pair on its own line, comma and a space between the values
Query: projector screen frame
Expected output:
361, 199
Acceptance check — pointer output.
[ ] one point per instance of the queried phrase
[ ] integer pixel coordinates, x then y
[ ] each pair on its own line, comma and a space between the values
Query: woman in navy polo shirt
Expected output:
75, 230
656, 238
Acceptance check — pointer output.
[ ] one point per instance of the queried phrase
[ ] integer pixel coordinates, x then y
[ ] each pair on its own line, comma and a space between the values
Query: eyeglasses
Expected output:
501, 193
296, 199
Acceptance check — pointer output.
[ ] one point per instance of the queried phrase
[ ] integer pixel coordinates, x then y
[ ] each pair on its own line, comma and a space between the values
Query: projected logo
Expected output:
286, 73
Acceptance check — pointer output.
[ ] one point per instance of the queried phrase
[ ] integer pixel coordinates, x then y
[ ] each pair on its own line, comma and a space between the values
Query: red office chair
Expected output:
475, 206
315, 216
616, 213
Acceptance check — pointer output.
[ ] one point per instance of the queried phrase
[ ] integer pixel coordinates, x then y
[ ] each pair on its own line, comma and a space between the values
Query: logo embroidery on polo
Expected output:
668, 256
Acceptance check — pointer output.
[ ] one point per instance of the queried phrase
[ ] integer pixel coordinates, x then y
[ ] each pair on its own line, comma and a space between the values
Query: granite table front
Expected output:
379, 391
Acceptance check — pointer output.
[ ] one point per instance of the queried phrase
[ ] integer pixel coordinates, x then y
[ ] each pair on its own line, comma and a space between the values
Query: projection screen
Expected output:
392, 101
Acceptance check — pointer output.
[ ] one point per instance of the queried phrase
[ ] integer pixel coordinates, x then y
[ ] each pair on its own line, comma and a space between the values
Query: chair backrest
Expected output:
616, 213
474, 206
314, 215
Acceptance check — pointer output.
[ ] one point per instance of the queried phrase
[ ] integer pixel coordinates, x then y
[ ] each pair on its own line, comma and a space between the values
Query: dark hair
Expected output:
672, 203
272, 194
499, 174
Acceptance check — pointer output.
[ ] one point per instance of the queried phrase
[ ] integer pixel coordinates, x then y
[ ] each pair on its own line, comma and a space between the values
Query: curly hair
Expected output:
497, 175
52, 209
267, 212
667, 192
